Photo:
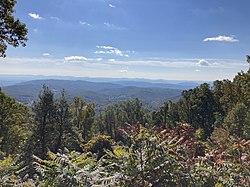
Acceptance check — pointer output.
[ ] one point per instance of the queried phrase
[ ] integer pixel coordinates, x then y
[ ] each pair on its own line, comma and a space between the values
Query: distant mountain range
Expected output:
101, 91
7, 80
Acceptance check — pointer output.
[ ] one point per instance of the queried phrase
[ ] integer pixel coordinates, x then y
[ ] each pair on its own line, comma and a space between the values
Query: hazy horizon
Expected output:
64, 77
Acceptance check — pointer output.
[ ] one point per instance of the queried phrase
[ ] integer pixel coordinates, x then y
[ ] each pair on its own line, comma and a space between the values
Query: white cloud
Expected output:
105, 47
75, 58
82, 58
99, 59
35, 16
114, 27
111, 60
112, 6
123, 71
85, 23
46, 54
221, 38
203, 62
197, 70
111, 50
100, 52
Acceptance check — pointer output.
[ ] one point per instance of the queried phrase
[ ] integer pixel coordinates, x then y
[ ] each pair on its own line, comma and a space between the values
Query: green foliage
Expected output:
83, 117
45, 118
111, 119
226, 104
168, 116
12, 31
133, 111
197, 107
10, 171
220, 138
248, 59
14, 127
237, 121
99, 144
73, 169
54, 129
57, 171
67, 135
242, 87
119, 115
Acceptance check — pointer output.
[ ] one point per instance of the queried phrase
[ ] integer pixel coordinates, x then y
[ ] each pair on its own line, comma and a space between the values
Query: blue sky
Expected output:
155, 39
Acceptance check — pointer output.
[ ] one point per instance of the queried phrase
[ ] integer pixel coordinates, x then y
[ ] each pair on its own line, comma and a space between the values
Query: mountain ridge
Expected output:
101, 93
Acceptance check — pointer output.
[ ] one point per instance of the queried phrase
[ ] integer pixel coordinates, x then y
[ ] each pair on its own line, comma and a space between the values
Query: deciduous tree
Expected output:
12, 31
14, 127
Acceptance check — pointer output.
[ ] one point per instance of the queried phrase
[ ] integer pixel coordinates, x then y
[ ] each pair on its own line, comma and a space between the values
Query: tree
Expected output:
14, 128
64, 123
237, 122
110, 121
12, 31
248, 59
197, 107
83, 116
45, 117
242, 87
134, 111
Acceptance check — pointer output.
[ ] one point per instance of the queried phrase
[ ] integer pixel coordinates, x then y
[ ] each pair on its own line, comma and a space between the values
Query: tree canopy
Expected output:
12, 30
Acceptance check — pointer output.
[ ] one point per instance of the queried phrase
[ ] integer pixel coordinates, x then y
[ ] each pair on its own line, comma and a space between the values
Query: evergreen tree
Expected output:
83, 117
134, 111
64, 123
196, 107
45, 118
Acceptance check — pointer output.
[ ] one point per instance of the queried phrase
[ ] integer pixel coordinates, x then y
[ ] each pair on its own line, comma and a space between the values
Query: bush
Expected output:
98, 145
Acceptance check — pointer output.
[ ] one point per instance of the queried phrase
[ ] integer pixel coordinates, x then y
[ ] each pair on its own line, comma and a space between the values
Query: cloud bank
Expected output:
162, 68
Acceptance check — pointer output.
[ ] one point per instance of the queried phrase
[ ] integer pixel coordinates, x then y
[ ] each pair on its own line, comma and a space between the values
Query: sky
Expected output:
153, 39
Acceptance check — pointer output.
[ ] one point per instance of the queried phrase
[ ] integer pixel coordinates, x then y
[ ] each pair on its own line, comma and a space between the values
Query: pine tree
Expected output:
45, 119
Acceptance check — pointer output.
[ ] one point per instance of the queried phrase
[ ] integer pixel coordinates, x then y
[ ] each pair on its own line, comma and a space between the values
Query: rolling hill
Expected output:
101, 93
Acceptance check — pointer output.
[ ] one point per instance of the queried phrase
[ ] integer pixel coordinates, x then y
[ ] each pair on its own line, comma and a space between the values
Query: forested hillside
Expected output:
101, 93
203, 139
